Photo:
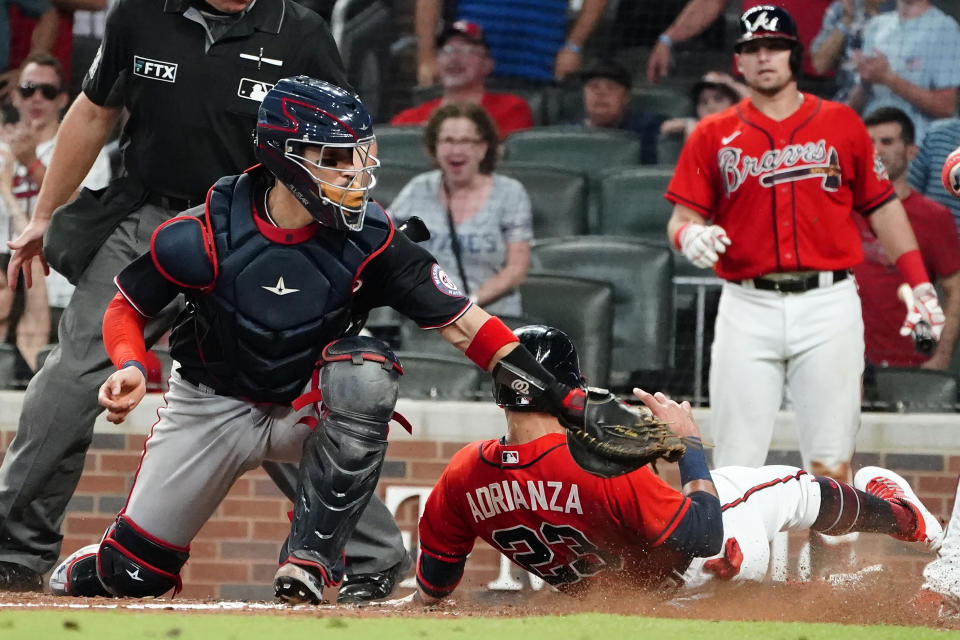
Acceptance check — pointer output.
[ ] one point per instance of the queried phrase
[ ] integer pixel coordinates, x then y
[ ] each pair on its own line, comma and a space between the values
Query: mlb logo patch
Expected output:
509, 457
154, 69
253, 89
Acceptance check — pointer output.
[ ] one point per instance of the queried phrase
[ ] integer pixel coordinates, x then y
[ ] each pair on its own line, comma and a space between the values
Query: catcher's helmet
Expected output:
553, 349
300, 113
770, 22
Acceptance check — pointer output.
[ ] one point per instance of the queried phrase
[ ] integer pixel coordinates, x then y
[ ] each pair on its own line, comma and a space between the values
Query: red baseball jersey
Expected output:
878, 279
783, 191
536, 506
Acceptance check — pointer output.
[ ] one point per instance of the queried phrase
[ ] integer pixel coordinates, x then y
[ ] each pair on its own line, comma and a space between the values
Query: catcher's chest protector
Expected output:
275, 306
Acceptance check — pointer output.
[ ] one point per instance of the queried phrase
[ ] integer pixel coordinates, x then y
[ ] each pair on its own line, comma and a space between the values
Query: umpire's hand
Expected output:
27, 246
122, 392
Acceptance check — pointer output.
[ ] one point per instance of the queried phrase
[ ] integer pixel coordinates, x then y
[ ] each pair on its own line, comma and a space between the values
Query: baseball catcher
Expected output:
278, 269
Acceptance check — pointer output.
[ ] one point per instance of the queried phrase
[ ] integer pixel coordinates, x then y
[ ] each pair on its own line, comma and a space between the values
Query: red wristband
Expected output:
910, 266
489, 339
676, 236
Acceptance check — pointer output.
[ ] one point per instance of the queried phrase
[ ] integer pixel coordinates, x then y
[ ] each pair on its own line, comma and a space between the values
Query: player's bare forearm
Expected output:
461, 332
892, 228
82, 134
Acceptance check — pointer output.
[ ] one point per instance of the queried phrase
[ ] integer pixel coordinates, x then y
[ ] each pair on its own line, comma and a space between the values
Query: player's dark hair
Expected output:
476, 114
883, 115
44, 59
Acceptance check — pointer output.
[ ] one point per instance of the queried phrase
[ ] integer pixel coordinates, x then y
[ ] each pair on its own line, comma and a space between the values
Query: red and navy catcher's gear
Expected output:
134, 564
301, 112
342, 457
770, 22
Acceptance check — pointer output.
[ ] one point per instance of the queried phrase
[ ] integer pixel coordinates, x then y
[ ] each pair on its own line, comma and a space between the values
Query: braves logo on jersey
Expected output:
793, 162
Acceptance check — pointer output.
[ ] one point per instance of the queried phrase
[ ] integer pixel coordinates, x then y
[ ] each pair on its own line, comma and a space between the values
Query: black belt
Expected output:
173, 204
795, 284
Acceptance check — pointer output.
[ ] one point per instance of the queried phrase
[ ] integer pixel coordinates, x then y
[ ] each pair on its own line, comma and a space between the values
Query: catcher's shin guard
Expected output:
134, 564
359, 382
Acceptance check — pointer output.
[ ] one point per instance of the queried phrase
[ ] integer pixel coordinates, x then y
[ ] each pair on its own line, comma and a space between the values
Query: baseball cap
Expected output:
606, 68
463, 29
766, 21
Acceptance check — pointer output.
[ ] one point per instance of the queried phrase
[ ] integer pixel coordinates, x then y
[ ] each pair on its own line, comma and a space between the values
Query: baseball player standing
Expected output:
525, 496
763, 192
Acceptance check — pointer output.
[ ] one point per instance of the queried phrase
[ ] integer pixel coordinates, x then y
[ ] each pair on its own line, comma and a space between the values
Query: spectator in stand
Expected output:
892, 133
40, 97
909, 61
480, 222
714, 92
942, 138
53, 33
697, 15
12, 220
528, 40
606, 104
8, 9
463, 62
840, 36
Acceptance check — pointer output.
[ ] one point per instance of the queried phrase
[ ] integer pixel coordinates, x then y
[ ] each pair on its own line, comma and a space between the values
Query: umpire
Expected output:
191, 75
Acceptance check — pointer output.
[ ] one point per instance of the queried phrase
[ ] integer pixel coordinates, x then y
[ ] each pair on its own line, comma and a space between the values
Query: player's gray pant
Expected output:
43, 464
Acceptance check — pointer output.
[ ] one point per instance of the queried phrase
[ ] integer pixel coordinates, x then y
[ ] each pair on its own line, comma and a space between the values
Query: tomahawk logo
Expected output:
763, 23
154, 69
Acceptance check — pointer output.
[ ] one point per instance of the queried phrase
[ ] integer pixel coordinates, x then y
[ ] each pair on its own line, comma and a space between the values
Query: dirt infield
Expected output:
878, 597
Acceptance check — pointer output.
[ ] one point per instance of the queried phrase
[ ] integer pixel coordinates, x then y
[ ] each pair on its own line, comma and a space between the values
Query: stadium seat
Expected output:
558, 198
431, 376
401, 145
391, 178
641, 274
573, 147
581, 308
668, 148
567, 103
915, 390
632, 203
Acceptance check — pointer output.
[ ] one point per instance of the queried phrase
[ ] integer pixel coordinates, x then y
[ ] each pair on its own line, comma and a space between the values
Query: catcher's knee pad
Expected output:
342, 458
132, 563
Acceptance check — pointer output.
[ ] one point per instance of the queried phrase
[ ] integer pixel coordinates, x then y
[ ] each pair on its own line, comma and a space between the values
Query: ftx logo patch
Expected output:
154, 69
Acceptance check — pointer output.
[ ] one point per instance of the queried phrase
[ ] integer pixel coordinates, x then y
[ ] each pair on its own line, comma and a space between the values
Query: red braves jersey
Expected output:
533, 503
878, 279
510, 112
783, 191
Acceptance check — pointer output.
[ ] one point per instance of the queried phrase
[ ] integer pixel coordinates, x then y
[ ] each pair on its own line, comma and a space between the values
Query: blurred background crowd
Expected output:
536, 138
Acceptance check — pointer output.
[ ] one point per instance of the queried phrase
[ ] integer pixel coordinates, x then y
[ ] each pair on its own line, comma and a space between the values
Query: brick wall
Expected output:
235, 554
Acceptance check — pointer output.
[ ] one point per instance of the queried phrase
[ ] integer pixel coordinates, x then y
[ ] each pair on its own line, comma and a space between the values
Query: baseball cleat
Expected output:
77, 575
891, 487
294, 584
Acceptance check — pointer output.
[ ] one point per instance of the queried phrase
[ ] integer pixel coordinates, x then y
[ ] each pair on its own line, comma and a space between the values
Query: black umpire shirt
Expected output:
192, 98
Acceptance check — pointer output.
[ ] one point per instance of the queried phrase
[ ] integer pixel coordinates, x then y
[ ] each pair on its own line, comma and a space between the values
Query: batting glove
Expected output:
924, 308
702, 244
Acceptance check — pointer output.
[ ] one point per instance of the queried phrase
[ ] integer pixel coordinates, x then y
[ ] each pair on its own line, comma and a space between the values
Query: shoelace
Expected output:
884, 488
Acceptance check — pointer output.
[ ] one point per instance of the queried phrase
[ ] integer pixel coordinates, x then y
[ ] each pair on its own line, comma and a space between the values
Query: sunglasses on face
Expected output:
48, 91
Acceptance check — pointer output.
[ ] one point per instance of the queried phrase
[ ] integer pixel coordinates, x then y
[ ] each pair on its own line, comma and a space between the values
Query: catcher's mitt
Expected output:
615, 439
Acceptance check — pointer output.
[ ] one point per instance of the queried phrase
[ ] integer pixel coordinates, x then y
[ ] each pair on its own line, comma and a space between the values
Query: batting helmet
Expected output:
770, 22
553, 349
299, 113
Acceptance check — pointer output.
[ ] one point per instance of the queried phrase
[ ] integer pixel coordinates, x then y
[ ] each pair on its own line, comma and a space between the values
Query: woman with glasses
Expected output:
480, 222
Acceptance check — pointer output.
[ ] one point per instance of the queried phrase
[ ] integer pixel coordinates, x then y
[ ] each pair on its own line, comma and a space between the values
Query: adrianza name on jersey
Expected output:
510, 495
